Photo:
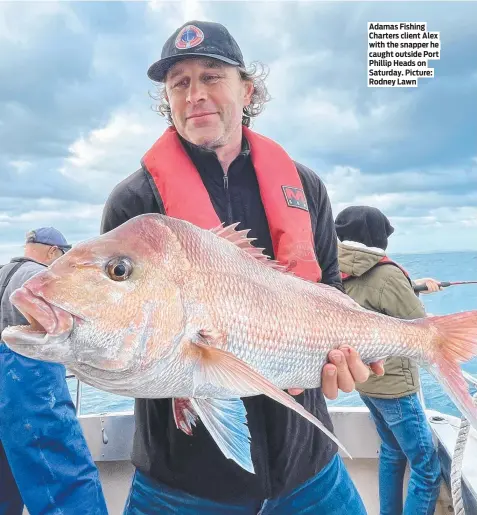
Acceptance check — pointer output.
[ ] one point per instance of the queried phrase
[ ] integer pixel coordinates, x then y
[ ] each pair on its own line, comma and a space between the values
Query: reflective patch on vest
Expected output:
295, 197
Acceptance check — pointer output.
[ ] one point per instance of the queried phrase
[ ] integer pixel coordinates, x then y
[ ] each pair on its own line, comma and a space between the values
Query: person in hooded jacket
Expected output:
379, 284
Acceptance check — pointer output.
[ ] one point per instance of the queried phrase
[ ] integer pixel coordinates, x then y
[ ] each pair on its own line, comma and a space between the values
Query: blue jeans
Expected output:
331, 492
405, 436
44, 459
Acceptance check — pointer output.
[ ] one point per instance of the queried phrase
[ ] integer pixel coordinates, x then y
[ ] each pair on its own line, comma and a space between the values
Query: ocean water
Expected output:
446, 266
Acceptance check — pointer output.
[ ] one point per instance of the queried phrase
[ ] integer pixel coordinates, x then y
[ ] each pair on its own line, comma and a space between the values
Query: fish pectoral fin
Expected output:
226, 421
469, 378
185, 415
219, 368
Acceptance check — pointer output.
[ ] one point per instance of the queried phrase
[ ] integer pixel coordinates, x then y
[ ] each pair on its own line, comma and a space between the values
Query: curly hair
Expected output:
256, 73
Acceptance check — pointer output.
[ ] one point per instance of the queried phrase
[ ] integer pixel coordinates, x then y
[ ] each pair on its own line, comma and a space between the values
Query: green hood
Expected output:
384, 289
356, 259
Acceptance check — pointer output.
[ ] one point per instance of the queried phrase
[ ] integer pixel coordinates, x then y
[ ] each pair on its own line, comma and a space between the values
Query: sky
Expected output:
76, 111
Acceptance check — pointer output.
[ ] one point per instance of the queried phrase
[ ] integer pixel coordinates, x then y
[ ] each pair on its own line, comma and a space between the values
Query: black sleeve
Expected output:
113, 212
326, 242
132, 197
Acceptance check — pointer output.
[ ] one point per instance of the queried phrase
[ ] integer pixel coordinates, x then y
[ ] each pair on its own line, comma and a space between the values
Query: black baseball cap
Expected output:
197, 38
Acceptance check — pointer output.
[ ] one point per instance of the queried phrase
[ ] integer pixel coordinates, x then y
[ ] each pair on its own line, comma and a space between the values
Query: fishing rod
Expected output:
442, 284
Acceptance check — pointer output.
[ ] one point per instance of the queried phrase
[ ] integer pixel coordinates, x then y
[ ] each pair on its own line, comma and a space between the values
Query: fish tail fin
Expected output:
455, 342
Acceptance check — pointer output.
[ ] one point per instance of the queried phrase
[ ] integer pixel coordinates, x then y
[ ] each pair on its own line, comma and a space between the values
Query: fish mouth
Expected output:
47, 323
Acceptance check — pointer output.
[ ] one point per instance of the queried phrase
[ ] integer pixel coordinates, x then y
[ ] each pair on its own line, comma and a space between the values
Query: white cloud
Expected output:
321, 112
268, 24
419, 224
441, 229
21, 166
110, 153
21, 30
174, 14
312, 115
418, 187
77, 221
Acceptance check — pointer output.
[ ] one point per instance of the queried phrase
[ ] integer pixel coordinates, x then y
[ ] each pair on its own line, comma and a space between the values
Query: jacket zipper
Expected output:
227, 196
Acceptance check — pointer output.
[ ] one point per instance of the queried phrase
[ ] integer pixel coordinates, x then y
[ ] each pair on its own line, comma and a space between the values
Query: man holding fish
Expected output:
209, 99
174, 306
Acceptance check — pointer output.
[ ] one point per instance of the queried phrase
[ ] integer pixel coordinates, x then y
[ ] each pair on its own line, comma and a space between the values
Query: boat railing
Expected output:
109, 437
79, 392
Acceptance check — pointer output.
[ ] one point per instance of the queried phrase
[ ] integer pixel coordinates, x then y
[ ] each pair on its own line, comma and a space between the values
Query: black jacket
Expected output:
286, 449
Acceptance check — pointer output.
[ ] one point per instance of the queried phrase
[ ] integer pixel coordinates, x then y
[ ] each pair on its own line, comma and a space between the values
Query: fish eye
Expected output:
119, 269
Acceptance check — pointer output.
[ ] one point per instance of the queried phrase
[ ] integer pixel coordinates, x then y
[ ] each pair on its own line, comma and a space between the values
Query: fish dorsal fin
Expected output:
240, 239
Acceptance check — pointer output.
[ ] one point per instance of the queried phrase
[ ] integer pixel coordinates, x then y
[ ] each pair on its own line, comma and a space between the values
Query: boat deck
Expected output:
116, 478
353, 427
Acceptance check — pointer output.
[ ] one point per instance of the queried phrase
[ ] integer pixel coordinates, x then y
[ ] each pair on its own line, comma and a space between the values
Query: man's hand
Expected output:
432, 285
343, 372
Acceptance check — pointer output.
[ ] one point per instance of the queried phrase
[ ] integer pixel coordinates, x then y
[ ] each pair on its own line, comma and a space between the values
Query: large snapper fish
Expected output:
160, 308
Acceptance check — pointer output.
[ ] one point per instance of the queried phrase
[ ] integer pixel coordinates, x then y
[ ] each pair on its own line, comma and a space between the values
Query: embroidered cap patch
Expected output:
295, 197
190, 36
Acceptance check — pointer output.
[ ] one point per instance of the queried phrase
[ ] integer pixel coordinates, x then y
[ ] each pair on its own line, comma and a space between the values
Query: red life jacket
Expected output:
383, 261
184, 196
